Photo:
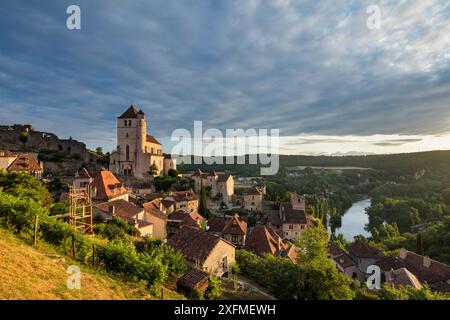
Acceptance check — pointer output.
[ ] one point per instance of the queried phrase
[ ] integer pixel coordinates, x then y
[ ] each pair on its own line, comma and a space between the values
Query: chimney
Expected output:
426, 262
112, 210
403, 253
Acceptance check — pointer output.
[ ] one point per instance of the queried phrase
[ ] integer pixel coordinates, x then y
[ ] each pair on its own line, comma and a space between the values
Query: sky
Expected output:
312, 69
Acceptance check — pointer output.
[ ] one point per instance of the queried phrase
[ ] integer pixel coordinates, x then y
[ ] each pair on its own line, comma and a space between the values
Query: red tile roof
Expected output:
83, 173
152, 208
194, 244
179, 196
24, 163
152, 139
235, 226
401, 278
260, 241
253, 192
361, 249
334, 249
193, 279
216, 224
289, 215
107, 186
7, 154
435, 273
122, 209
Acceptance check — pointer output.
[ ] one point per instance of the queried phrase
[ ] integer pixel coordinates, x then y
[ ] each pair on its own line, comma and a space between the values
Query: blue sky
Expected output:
310, 68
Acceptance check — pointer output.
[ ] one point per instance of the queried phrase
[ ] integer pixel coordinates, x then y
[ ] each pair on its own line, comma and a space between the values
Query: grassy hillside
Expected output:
39, 273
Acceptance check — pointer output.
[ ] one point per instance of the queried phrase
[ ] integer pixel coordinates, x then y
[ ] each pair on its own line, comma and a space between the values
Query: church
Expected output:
136, 150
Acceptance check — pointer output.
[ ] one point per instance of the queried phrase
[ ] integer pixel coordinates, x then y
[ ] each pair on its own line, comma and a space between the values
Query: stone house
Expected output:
26, 163
193, 280
203, 250
434, 273
253, 197
363, 254
292, 220
262, 240
6, 159
154, 214
186, 201
221, 185
82, 179
178, 219
232, 229
106, 187
127, 211
136, 150
344, 263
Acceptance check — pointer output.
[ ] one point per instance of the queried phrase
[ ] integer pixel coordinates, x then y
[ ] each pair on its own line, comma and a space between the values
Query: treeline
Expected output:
437, 162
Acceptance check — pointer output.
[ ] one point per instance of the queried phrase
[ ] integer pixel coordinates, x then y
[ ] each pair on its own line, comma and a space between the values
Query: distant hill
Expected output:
436, 162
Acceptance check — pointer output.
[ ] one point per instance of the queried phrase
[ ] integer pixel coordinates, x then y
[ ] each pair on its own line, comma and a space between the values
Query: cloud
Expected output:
302, 66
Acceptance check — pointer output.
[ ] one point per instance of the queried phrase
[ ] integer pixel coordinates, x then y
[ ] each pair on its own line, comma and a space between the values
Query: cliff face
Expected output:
37, 141
60, 156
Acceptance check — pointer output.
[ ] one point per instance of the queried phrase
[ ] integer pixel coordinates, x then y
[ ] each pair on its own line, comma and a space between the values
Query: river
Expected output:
354, 220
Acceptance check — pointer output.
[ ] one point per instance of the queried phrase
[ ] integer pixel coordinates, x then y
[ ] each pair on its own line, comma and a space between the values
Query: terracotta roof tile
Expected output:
152, 139
235, 226
24, 163
253, 192
293, 216
194, 244
260, 241
402, 277
363, 250
107, 186
193, 279
7, 154
123, 209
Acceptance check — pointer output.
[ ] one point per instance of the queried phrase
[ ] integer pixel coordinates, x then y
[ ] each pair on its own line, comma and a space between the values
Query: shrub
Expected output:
54, 231
213, 291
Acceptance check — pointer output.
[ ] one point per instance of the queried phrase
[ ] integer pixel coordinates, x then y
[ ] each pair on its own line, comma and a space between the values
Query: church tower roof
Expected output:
130, 113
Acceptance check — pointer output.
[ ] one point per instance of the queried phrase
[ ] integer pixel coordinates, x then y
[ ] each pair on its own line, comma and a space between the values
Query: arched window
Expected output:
127, 153
125, 123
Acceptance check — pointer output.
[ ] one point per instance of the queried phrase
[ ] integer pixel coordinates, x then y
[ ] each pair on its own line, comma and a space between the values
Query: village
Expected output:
204, 219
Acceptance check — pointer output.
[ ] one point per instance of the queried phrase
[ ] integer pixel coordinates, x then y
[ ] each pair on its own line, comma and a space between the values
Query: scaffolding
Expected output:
80, 209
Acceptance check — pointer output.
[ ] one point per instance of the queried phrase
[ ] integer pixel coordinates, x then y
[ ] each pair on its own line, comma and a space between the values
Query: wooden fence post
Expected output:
73, 246
93, 255
36, 222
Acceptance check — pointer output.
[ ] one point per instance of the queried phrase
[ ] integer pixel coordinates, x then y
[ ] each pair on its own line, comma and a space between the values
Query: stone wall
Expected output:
37, 141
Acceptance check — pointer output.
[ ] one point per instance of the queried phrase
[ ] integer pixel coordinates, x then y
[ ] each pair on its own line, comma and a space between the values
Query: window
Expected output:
354, 275
125, 123
224, 263
235, 238
129, 123
127, 153
291, 227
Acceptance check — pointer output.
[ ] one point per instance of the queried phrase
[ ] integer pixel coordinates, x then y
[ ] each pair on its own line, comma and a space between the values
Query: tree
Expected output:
99, 150
419, 244
153, 169
213, 291
24, 136
202, 207
172, 173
